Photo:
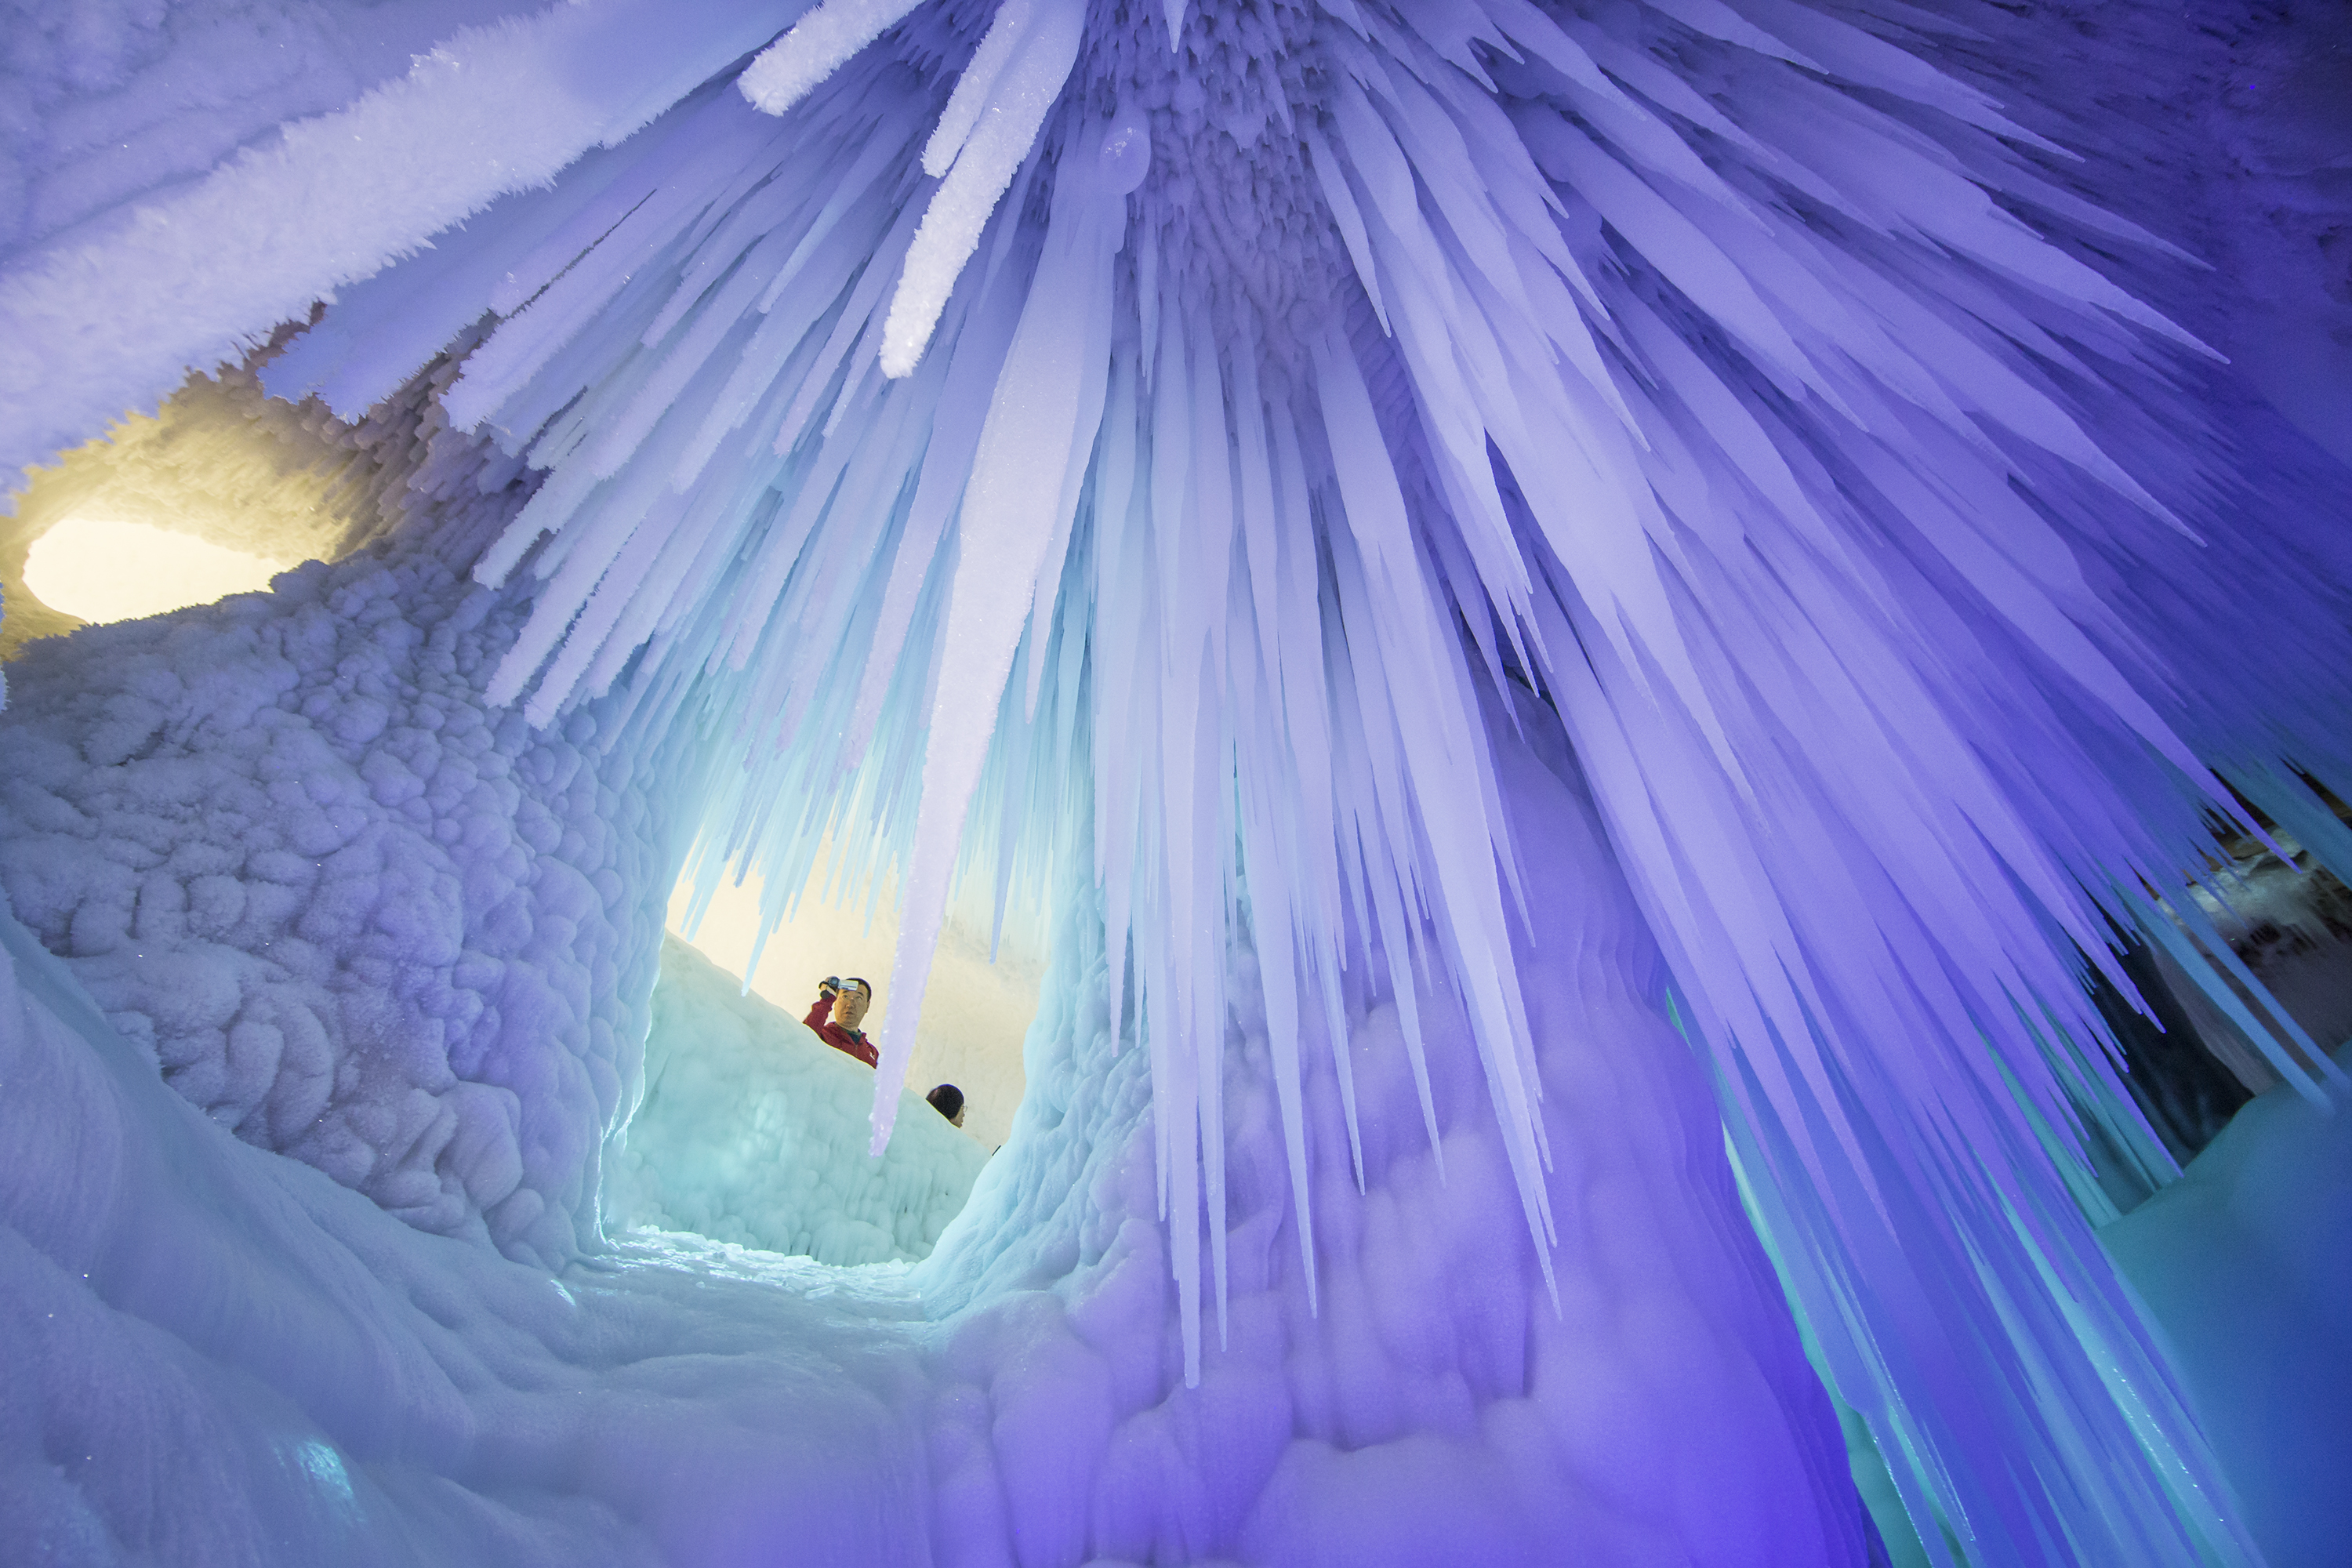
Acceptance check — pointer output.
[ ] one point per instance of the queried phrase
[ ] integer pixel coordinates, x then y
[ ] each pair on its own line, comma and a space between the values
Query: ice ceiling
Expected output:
1594, 616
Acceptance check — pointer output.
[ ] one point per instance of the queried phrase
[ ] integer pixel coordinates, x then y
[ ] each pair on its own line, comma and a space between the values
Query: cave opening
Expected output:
745, 1127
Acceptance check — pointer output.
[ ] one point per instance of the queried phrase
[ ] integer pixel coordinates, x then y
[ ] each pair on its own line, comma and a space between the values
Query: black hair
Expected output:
946, 1099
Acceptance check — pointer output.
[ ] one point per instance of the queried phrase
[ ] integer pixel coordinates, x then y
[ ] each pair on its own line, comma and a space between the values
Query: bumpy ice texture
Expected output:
750, 1130
216, 1356
292, 1377
353, 913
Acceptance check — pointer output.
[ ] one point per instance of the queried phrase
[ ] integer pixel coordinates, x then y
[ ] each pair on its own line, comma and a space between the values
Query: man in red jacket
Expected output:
840, 1007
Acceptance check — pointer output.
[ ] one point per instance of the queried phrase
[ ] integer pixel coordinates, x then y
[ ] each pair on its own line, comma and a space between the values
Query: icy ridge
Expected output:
750, 1130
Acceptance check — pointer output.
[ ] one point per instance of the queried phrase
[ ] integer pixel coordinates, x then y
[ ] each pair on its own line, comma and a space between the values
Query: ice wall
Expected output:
2242, 1263
217, 1354
1416, 1394
749, 1129
351, 912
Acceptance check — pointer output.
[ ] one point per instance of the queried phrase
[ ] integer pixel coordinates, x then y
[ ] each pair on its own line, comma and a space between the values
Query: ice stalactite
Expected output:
1143, 438
1421, 1391
1698, 365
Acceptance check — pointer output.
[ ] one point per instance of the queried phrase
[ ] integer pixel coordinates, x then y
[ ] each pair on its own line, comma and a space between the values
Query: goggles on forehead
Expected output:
849, 980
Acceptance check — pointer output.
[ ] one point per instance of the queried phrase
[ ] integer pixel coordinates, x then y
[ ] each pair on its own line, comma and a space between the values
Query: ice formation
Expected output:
750, 1130
348, 911
986, 975
2225, 1260
1508, 563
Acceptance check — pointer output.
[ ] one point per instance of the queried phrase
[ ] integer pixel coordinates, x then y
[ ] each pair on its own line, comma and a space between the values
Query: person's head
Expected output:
849, 1007
948, 1100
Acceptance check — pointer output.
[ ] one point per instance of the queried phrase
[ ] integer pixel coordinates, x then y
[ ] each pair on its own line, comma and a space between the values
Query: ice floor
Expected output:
752, 1130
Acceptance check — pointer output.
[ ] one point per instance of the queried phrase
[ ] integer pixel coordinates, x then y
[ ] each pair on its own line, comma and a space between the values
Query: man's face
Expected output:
849, 1009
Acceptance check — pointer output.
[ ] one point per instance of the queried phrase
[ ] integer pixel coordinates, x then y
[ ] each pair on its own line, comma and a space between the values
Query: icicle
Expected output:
1806, 526
816, 46
1005, 31
1038, 422
1017, 105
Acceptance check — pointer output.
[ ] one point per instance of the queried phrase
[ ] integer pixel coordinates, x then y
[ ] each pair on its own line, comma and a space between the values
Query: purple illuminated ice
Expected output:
1593, 615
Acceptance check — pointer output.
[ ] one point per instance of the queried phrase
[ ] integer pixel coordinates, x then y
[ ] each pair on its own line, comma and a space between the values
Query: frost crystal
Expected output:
1160, 445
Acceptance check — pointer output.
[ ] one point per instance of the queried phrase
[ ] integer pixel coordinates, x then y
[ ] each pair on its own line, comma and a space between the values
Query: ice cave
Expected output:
1612, 737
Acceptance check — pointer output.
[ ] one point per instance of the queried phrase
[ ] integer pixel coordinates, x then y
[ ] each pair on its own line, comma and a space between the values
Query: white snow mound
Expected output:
753, 1130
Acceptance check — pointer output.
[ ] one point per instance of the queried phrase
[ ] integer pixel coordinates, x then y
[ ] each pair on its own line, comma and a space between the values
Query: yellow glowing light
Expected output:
976, 1013
101, 570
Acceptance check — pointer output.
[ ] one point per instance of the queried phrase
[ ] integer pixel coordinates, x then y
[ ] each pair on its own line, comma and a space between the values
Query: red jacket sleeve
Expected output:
847, 1041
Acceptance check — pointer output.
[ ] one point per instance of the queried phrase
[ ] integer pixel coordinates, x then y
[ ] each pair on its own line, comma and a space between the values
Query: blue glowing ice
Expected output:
1190, 459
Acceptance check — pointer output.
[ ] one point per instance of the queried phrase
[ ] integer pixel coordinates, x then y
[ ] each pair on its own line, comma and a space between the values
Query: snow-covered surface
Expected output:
751, 1129
348, 910
115, 100
203, 243
2244, 1267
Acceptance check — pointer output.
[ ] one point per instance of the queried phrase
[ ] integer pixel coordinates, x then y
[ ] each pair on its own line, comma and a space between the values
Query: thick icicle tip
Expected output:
819, 44
1126, 156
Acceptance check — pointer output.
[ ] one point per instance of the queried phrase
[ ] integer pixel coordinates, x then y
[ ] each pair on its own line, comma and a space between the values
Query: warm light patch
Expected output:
976, 1012
101, 570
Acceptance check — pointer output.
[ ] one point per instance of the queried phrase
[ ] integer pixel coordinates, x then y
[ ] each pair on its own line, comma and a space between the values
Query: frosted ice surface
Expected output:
1753, 383
814, 47
208, 262
751, 1129
106, 87
343, 1388
1005, 128
350, 911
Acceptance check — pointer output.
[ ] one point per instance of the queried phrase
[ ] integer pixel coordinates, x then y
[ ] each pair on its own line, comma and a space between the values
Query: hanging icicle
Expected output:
1211, 404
